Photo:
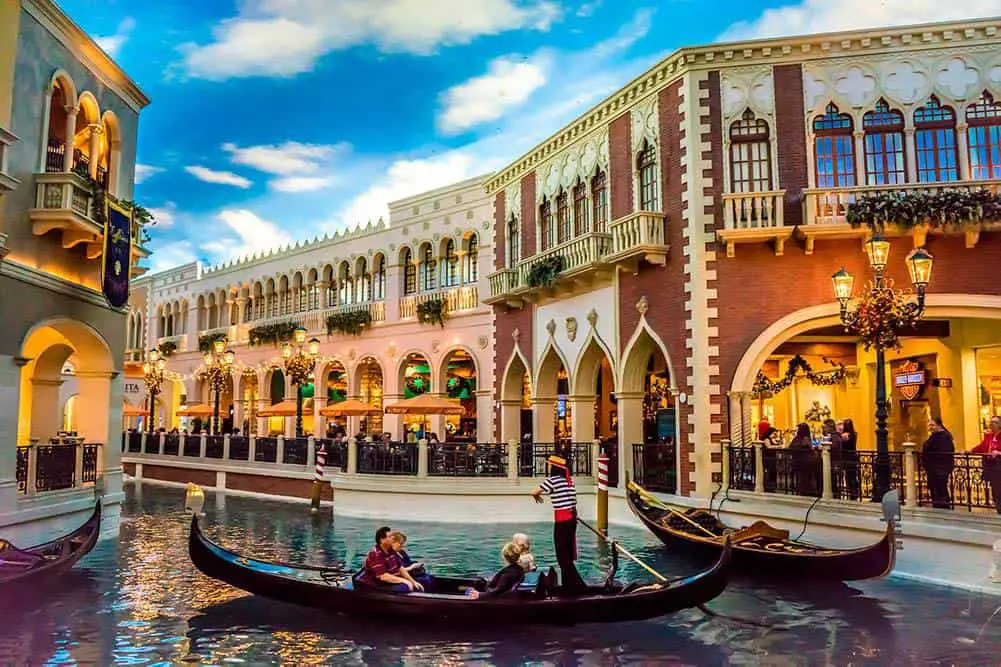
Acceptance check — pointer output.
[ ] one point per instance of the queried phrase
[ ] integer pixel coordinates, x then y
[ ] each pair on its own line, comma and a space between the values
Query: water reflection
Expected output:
139, 601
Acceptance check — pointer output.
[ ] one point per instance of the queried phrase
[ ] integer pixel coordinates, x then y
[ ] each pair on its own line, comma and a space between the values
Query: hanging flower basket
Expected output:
544, 272
272, 333
167, 348
431, 311
205, 342
906, 210
351, 322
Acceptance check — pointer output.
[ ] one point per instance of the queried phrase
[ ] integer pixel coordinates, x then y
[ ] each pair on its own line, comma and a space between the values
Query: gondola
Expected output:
42, 562
762, 550
334, 590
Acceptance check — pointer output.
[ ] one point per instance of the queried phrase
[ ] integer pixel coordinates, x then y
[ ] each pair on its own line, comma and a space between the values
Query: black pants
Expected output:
565, 540
938, 487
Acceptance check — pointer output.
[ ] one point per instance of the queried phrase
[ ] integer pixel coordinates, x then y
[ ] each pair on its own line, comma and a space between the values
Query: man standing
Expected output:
937, 457
990, 447
382, 566
560, 489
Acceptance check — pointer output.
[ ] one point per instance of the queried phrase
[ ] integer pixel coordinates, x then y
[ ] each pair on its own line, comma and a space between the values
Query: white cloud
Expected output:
813, 16
144, 172
508, 84
588, 8
171, 255
165, 215
112, 44
281, 38
285, 159
301, 183
252, 234
219, 177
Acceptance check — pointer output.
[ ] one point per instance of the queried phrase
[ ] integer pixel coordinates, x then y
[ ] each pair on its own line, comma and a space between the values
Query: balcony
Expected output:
638, 236
180, 342
64, 202
7, 182
457, 299
503, 284
314, 321
754, 217
825, 209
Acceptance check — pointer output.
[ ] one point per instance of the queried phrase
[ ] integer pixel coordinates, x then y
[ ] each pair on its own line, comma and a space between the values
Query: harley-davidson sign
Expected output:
910, 379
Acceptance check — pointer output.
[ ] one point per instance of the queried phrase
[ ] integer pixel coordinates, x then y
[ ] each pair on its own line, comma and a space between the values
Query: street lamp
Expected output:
300, 360
218, 362
878, 318
153, 374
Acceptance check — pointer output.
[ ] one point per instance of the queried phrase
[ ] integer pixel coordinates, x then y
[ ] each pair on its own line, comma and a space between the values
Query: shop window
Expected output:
750, 155
984, 133
935, 143
834, 150
884, 145
472, 259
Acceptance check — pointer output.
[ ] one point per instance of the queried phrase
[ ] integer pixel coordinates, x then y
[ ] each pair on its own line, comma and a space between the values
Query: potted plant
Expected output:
431, 311
544, 272
350, 322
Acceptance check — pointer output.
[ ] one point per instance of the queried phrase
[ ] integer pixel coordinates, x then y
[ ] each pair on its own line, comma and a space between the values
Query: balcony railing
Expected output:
534, 455
483, 459
654, 466
7, 182
502, 283
64, 201
639, 236
753, 217
396, 458
314, 321
55, 467
457, 299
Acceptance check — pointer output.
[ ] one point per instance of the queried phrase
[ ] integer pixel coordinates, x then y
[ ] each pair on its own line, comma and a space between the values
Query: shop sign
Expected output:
135, 391
910, 379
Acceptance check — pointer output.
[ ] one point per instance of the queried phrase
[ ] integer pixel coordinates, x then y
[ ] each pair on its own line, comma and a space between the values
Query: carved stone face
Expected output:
571, 328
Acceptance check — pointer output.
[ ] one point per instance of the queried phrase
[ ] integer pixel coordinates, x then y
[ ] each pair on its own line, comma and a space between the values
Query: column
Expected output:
759, 468
10, 389
749, 430
461, 272
910, 154
95, 146
319, 421
582, 418
510, 420
392, 424
485, 416
238, 407
46, 119
241, 306
859, 158
827, 480
543, 418
630, 406
71, 113
736, 426
321, 294
910, 475
963, 147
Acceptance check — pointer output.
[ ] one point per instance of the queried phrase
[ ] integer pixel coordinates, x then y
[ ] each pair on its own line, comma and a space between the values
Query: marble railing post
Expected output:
512, 459
422, 457
280, 449
352, 456
595, 453
759, 467
180, 444
30, 485
162, 442
827, 473
78, 465
142, 442
725, 465
910, 474
203, 444
310, 452
225, 447
251, 448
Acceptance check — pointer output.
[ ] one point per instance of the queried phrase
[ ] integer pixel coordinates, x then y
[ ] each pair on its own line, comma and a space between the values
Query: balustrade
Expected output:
532, 461
214, 445
456, 299
266, 450
654, 466
239, 448
395, 458
503, 282
296, 450
639, 236
56, 467
468, 460
753, 210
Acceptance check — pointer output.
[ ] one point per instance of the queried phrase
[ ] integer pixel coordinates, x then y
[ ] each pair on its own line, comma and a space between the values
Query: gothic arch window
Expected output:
581, 223
884, 145
513, 243
562, 217
984, 133
599, 201
409, 273
750, 154
346, 284
472, 272
546, 220
834, 151
363, 284
450, 271
935, 143
379, 277
646, 167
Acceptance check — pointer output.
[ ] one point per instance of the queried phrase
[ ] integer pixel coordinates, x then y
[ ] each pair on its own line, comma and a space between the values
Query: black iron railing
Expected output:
336, 453
534, 455
957, 481
266, 450
55, 467
172, 443
296, 451
214, 446
239, 448
397, 458
193, 446
742, 468
125, 440
853, 474
655, 466
88, 471
135, 441
798, 472
21, 468
468, 460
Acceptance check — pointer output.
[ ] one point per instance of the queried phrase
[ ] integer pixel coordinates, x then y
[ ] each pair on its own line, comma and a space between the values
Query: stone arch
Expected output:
588, 363
514, 376
62, 79
549, 363
412, 356
442, 369
90, 110
512, 397
111, 153
636, 354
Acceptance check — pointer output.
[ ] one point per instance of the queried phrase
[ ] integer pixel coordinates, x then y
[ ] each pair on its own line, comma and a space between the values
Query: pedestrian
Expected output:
805, 464
937, 458
990, 447
560, 489
849, 458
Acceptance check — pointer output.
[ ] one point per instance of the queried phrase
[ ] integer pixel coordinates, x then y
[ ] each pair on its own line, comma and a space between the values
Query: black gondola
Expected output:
763, 550
47, 560
334, 591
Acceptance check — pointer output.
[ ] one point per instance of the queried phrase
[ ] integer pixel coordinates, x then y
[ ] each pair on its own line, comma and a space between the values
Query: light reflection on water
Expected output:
139, 601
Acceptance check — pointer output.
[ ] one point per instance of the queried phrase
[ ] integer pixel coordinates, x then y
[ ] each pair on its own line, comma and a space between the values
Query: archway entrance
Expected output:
552, 412
516, 401
415, 379
250, 392
593, 401
275, 426
335, 382
369, 381
458, 372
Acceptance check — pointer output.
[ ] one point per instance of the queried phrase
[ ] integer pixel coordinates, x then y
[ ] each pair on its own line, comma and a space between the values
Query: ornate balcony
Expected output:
7, 182
638, 236
754, 217
503, 285
457, 299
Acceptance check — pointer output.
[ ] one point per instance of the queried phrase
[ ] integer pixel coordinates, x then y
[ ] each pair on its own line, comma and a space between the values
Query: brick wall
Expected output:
276, 486
620, 163
500, 229
505, 322
528, 209
181, 475
791, 135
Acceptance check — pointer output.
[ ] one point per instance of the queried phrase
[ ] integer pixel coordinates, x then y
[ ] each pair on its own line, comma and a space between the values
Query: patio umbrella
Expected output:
195, 410
134, 410
284, 409
350, 408
426, 404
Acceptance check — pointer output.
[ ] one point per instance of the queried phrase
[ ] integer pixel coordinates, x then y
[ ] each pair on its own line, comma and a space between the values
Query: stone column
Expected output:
826, 473
422, 457
582, 427
319, 421
543, 418
510, 420
10, 389
512, 459
394, 290
910, 474
726, 465
859, 137
963, 148
736, 428
241, 306
321, 294
759, 468
485, 415
630, 406
910, 154
95, 144
393, 424
71, 114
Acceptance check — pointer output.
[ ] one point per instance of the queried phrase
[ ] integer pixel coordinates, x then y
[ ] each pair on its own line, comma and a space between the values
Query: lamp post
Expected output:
153, 374
300, 360
218, 362
878, 317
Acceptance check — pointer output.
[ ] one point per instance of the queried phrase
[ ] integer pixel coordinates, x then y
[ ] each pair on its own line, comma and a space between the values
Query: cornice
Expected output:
86, 49
31, 276
774, 51
444, 190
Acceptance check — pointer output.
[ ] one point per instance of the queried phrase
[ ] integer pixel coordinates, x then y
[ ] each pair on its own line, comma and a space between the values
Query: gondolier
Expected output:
560, 488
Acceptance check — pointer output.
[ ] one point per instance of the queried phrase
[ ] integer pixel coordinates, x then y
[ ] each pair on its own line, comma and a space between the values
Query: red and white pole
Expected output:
603, 492
321, 461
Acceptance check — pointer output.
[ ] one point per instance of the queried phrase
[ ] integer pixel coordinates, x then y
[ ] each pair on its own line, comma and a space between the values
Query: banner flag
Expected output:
116, 265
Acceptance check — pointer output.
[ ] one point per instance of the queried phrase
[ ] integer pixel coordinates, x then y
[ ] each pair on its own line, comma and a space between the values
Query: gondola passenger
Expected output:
507, 579
417, 571
383, 568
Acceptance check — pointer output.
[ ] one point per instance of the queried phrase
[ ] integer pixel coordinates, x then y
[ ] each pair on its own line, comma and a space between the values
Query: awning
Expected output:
349, 408
134, 410
195, 410
426, 404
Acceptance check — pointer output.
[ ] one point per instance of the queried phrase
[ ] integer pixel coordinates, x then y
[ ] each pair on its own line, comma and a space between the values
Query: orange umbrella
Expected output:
286, 408
351, 407
426, 404
134, 410
196, 410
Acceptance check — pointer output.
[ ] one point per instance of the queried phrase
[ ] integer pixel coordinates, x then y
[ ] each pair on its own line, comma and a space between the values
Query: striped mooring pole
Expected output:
603, 492
321, 460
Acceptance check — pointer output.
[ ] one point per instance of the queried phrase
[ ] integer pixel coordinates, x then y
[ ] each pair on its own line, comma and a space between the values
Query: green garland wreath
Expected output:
431, 311
544, 272
205, 342
350, 322
272, 333
946, 208
167, 348
765, 387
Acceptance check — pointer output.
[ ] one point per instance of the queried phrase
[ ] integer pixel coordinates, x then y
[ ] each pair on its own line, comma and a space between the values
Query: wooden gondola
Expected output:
762, 550
335, 591
42, 562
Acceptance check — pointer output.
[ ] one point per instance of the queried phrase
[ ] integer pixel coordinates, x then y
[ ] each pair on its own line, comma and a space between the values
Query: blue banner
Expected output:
117, 262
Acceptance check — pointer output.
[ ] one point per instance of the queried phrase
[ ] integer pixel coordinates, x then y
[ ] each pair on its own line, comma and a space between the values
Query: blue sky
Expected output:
278, 120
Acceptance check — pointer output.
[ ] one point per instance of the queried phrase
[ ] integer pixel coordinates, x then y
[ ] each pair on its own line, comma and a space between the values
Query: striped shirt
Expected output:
561, 492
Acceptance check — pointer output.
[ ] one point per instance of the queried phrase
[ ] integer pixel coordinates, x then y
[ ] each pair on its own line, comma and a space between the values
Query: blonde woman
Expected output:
507, 579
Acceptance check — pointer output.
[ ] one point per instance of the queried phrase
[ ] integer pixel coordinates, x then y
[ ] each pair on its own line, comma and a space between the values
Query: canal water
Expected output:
139, 601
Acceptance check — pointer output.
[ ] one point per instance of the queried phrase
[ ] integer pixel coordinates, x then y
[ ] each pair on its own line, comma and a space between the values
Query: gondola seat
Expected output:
759, 529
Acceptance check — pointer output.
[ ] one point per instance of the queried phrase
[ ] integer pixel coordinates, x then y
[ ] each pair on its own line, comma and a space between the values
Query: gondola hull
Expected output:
306, 585
44, 562
766, 553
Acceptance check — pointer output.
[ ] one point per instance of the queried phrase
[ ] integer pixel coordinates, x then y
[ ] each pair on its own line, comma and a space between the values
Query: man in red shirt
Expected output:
991, 449
382, 566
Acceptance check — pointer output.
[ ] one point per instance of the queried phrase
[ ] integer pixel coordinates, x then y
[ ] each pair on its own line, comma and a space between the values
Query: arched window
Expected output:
562, 217
984, 132
429, 266
546, 221
409, 273
472, 268
581, 224
935, 143
379, 277
450, 270
884, 145
599, 201
646, 167
750, 155
834, 151
363, 283
513, 243
346, 286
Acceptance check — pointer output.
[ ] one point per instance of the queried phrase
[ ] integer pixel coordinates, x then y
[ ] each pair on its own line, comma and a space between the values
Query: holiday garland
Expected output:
881, 314
350, 322
544, 272
167, 348
272, 333
935, 209
765, 387
431, 311
205, 343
